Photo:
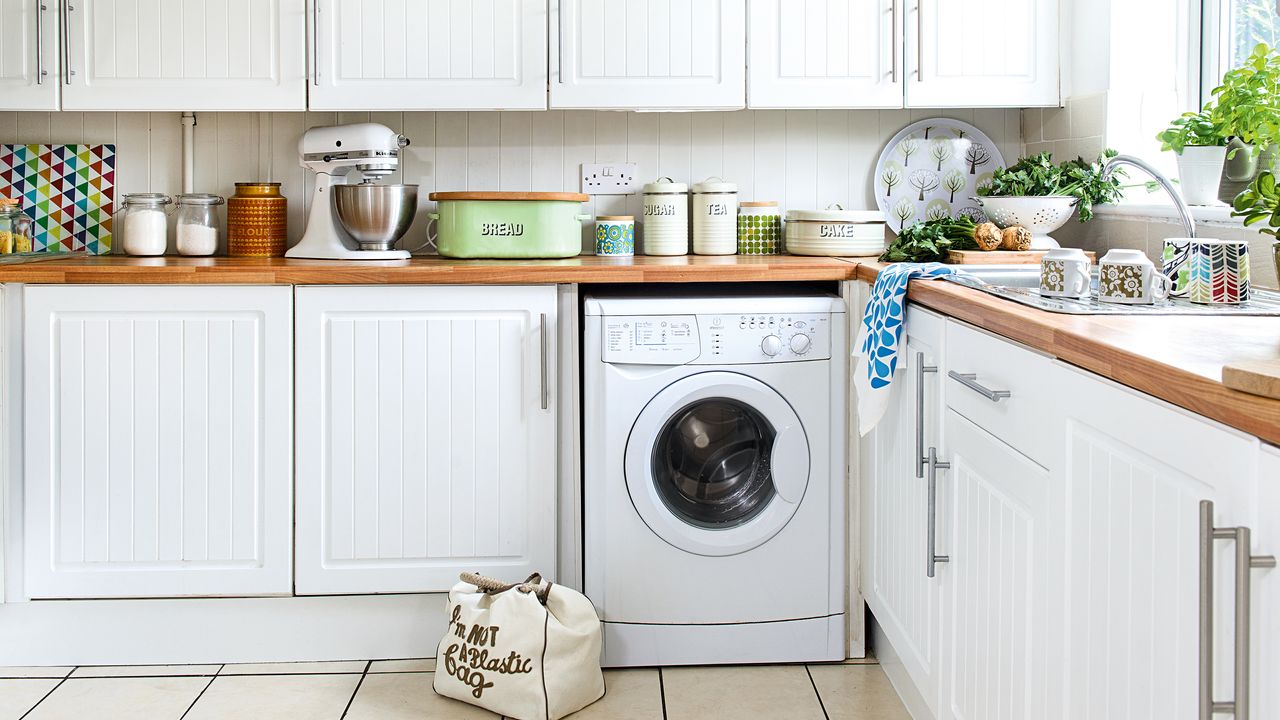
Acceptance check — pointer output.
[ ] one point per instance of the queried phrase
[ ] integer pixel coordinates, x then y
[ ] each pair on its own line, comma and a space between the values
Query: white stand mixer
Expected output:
354, 220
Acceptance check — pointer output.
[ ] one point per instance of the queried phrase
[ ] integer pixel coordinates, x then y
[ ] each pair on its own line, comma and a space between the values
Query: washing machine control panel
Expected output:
725, 339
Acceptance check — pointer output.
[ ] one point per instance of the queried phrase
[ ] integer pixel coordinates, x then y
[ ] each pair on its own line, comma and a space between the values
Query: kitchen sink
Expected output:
1022, 276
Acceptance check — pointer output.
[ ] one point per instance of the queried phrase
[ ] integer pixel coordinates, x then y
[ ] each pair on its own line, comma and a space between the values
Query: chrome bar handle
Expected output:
315, 42
546, 379
68, 73
895, 42
1245, 563
40, 71
931, 541
970, 380
921, 369
920, 40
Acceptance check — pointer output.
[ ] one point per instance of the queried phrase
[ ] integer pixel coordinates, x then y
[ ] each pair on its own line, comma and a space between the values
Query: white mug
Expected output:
1128, 277
1064, 272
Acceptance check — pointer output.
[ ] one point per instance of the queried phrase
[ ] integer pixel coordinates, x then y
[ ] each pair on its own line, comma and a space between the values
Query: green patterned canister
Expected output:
615, 235
759, 228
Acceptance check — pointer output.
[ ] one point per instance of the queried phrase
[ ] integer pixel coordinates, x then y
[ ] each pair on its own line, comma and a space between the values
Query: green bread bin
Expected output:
507, 224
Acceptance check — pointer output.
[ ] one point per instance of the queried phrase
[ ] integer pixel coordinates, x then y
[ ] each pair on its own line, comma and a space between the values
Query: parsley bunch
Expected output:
929, 241
1038, 176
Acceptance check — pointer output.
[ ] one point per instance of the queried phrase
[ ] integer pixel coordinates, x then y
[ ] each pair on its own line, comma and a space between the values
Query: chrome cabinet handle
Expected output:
66, 44
895, 45
40, 71
931, 541
970, 380
546, 380
315, 42
920, 40
1245, 562
921, 369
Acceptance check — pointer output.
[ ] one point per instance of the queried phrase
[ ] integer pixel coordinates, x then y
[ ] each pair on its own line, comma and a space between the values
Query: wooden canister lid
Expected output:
615, 218
493, 195
759, 203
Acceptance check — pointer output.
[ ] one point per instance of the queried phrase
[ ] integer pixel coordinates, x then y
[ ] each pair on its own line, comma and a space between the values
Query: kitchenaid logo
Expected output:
502, 229
655, 209
835, 231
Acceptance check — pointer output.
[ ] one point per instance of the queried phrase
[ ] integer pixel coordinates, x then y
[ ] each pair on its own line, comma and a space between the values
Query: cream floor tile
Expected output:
629, 695
857, 692
712, 693
272, 697
120, 698
299, 668
20, 695
34, 672
100, 671
397, 696
416, 665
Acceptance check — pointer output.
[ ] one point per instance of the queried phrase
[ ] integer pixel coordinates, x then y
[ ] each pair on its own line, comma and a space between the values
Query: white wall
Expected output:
801, 158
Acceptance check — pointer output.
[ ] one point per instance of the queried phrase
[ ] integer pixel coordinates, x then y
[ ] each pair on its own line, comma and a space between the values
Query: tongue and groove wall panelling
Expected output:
28, 45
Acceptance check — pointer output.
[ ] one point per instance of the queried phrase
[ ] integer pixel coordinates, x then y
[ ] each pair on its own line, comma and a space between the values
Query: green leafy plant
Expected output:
930, 240
1258, 202
1038, 176
1198, 129
1247, 103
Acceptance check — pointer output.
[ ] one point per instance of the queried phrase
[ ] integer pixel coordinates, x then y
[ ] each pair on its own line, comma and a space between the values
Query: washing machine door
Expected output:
717, 463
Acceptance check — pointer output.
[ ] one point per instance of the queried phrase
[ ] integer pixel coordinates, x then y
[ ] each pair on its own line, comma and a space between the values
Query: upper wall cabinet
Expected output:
184, 55
825, 54
437, 55
982, 53
649, 54
28, 55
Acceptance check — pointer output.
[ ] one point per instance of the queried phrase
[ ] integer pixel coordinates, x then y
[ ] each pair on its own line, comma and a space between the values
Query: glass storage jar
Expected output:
15, 228
143, 223
198, 223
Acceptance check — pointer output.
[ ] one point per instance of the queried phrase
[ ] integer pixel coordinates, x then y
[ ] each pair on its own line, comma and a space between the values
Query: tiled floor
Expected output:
392, 689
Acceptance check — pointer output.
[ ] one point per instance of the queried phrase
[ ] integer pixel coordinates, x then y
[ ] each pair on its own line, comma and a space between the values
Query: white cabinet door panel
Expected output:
429, 55
1266, 589
157, 450
185, 55
423, 447
29, 55
618, 54
824, 54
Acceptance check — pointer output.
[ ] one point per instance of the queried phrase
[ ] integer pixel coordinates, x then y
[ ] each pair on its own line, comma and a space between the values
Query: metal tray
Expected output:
1261, 302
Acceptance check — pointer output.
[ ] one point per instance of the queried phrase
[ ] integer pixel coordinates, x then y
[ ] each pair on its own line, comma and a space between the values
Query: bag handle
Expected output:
493, 586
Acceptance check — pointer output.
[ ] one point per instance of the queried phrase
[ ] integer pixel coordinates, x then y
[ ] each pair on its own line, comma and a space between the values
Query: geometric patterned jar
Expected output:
759, 228
616, 235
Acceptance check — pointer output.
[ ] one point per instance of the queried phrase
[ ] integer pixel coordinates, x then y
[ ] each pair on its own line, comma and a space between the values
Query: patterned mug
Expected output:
1207, 270
1128, 277
616, 235
1064, 272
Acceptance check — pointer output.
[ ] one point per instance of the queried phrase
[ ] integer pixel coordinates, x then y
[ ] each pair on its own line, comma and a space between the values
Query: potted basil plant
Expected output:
1201, 145
1247, 109
1261, 201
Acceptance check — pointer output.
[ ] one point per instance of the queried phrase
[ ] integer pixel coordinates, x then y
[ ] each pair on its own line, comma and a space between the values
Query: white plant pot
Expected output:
1199, 172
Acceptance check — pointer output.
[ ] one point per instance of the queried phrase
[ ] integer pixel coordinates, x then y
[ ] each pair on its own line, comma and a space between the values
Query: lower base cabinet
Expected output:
426, 436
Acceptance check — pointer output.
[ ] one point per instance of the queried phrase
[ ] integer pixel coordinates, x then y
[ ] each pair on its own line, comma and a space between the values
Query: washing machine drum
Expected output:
717, 463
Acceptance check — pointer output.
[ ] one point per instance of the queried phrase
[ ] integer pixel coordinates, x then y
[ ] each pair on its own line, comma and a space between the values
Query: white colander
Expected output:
1040, 215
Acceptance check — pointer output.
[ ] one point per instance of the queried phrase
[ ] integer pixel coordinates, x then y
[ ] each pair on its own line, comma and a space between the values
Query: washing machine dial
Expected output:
800, 343
771, 345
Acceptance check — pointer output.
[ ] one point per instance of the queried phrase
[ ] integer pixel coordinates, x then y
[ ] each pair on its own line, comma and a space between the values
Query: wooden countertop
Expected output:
1175, 358
122, 269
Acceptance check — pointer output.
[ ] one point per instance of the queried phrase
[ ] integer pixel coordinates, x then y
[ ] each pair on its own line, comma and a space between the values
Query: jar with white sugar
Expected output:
666, 218
143, 223
198, 224
715, 217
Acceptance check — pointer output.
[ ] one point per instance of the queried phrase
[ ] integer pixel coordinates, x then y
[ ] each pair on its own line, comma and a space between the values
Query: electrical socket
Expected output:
608, 178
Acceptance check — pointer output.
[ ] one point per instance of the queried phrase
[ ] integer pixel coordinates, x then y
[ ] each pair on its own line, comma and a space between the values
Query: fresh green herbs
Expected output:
1247, 103
929, 241
1260, 201
1038, 176
1199, 129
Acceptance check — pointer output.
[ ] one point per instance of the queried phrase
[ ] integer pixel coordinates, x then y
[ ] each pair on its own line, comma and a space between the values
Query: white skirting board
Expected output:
220, 630
897, 674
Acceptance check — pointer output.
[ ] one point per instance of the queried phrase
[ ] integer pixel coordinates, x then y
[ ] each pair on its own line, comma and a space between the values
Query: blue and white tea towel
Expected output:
878, 338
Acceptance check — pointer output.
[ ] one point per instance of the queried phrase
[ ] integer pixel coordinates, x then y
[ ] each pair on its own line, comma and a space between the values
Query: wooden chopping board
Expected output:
1256, 377
1003, 257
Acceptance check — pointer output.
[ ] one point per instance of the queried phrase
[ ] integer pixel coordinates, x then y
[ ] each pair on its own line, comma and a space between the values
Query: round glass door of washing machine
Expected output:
717, 463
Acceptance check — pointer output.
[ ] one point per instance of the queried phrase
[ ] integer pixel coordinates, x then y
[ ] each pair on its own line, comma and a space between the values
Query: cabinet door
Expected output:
825, 54
157, 424
426, 436
419, 55
29, 54
1002, 581
209, 55
905, 601
982, 53
669, 54
1266, 589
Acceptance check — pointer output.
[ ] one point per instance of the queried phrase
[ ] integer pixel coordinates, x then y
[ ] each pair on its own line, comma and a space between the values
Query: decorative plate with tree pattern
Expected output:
932, 169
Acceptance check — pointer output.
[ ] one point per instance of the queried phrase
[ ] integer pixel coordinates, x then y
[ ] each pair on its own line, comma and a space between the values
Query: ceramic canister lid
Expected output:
714, 185
835, 213
665, 186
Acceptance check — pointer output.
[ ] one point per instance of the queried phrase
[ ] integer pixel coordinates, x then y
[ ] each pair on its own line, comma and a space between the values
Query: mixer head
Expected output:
369, 148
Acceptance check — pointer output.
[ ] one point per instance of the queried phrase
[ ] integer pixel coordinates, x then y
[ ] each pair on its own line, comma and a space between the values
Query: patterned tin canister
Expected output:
616, 235
666, 218
715, 217
257, 220
759, 228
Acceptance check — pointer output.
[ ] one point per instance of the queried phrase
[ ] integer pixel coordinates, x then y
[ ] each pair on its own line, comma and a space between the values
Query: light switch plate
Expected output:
608, 178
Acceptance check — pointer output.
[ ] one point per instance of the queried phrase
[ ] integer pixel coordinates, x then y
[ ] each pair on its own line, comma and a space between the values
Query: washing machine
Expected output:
714, 473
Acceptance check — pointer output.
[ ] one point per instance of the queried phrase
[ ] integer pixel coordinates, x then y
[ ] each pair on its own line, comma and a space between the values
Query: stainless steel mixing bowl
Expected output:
376, 216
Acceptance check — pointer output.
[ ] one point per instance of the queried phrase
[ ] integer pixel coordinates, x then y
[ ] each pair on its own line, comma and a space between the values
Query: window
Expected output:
1230, 31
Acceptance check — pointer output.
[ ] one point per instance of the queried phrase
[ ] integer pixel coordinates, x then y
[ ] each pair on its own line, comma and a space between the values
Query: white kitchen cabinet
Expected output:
208, 55
636, 54
437, 55
981, 53
426, 436
29, 54
1266, 589
905, 601
157, 426
825, 54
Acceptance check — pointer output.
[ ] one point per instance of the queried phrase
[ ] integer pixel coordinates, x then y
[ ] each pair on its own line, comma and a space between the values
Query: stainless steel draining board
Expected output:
19, 258
1261, 302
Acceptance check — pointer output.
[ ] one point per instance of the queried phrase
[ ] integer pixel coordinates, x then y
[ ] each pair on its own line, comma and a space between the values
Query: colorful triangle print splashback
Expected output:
68, 190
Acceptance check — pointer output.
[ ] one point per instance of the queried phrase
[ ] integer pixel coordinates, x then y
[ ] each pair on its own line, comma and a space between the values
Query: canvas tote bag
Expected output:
529, 650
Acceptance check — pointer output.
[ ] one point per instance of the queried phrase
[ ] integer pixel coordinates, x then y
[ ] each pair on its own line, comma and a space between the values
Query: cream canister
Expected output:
666, 218
715, 217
